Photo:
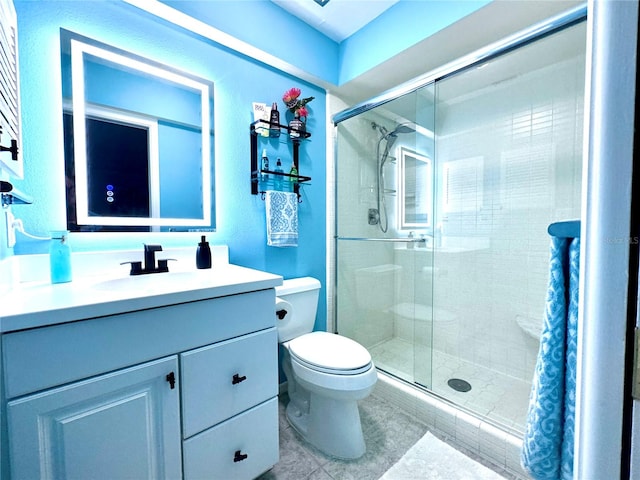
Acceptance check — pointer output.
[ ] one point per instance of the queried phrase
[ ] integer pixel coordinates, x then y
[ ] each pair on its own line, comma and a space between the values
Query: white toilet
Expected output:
326, 374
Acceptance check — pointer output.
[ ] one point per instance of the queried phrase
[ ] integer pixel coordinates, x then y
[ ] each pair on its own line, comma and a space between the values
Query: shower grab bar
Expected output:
396, 240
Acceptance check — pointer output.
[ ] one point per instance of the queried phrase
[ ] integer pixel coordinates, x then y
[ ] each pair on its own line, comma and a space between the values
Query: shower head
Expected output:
391, 139
402, 128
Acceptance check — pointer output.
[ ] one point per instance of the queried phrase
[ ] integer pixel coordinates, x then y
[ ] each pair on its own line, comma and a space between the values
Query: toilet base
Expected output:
332, 426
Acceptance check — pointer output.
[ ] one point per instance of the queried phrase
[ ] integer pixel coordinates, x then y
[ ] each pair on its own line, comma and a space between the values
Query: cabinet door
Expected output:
120, 425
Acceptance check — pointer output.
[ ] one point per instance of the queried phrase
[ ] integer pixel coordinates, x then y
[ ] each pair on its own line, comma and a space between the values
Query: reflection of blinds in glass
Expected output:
9, 93
463, 185
527, 175
416, 192
421, 205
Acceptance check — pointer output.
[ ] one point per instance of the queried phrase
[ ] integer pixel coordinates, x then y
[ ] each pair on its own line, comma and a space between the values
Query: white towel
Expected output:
282, 218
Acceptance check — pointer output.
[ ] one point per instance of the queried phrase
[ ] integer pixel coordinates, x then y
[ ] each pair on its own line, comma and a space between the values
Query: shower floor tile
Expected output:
493, 395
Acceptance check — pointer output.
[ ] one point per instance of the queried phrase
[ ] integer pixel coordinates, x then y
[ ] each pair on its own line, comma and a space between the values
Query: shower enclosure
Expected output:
444, 191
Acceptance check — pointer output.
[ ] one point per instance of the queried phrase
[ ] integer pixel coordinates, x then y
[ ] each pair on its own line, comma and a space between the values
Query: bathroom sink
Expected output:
153, 281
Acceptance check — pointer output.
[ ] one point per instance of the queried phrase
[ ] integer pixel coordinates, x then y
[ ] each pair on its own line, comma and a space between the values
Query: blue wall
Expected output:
268, 27
238, 81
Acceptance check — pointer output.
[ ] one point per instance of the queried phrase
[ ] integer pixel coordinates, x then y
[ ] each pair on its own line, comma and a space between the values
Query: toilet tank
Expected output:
302, 294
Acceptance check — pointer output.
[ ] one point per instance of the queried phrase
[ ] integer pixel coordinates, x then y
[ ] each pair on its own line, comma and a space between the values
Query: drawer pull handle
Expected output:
171, 378
239, 456
281, 314
237, 379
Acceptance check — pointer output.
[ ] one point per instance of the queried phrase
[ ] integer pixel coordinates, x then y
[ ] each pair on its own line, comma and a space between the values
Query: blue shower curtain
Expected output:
547, 451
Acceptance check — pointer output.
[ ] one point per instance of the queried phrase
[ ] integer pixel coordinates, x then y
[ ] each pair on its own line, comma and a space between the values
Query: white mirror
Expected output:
415, 193
138, 142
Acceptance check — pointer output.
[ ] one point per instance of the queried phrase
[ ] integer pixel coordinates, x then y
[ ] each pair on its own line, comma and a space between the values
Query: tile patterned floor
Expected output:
388, 431
493, 395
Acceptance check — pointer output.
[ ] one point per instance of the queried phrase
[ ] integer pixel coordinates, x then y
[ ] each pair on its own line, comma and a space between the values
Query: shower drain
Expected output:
459, 385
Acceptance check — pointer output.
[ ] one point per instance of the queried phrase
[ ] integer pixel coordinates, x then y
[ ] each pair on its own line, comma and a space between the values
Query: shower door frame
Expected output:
529, 35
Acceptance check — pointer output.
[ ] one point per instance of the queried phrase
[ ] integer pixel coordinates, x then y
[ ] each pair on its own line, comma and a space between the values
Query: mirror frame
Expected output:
81, 46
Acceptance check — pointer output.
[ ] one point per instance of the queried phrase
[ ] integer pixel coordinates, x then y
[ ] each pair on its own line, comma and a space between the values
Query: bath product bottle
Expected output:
294, 175
264, 165
410, 239
60, 257
274, 121
203, 254
278, 178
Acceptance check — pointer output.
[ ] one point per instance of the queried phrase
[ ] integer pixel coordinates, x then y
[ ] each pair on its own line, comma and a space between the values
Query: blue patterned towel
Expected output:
547, 449
282, 218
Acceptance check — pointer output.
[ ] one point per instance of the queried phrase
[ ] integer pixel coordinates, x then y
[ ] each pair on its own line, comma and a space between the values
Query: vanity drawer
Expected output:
224, 379
254, 433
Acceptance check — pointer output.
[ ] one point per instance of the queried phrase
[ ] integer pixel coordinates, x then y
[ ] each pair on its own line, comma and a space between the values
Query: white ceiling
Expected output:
338, 19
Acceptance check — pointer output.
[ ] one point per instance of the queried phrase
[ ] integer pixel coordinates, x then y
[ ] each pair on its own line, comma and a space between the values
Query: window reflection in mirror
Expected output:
415, 174
138, 142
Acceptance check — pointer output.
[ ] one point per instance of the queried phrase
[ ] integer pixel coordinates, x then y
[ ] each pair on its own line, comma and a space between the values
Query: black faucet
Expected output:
149, 262
150, 257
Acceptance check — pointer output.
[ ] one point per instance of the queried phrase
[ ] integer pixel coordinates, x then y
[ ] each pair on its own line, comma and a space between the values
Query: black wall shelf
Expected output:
257, 128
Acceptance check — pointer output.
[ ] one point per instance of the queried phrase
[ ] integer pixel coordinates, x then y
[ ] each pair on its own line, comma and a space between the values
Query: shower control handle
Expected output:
373, 216
238, 456
238, 379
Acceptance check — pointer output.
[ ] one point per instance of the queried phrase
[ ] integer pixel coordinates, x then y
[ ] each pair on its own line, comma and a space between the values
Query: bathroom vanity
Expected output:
171, 375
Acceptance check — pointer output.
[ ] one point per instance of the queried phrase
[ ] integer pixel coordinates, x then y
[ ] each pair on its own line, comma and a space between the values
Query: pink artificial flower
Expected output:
291, 95
303, 112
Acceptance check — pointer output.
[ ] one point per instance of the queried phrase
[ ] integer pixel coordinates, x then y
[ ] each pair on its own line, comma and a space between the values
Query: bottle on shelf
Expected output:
274, 121
294, 175
278, 178
264, 165
296, 126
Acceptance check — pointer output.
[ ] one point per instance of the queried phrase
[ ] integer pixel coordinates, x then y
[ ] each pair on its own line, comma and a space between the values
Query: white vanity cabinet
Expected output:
124, 424
185, 390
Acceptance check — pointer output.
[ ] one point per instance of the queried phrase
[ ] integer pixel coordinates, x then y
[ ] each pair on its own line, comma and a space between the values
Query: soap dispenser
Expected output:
60, 257
203, 254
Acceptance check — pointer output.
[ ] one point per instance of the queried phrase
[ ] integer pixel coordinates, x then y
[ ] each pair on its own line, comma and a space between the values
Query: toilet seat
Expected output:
330, 353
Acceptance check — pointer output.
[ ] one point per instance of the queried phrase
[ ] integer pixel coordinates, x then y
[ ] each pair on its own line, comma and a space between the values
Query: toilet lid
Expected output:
329, 351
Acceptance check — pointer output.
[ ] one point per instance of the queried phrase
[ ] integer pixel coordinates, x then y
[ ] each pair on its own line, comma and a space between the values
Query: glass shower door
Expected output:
384, 227
509, 164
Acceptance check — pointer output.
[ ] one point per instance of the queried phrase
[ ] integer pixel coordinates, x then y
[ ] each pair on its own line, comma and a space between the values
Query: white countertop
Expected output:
38, 304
